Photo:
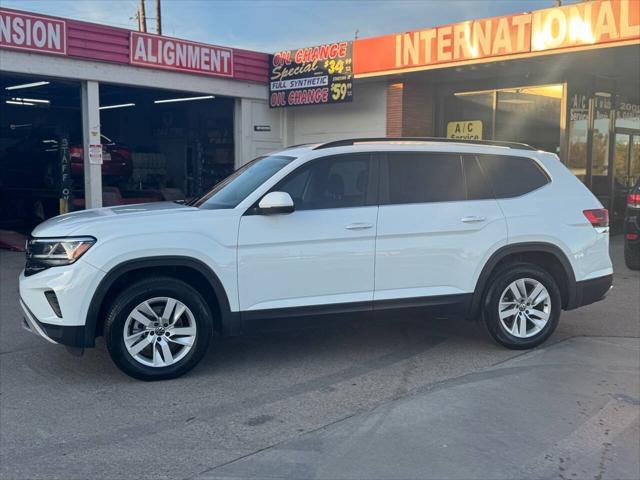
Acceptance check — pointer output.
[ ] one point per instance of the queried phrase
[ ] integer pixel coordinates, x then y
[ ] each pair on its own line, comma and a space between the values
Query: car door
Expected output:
435, 228
319, 257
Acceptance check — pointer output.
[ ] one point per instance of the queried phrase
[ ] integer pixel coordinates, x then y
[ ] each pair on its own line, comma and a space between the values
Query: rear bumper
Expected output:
71, 336
591, 291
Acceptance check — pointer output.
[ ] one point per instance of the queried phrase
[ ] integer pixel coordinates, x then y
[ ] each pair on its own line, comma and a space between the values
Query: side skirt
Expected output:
455, 306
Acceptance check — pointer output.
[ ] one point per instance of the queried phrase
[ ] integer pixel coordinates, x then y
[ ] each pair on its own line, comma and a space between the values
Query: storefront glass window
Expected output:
635, 159
578, 130
472, 106
627, 113
525, 114
600, 148
530, 115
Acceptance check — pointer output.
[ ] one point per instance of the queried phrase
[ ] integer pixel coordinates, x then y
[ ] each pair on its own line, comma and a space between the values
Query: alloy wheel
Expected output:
159, 332
524, 308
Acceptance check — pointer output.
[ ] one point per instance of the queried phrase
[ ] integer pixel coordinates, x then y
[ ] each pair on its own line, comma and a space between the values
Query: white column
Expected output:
90, 94
238, 134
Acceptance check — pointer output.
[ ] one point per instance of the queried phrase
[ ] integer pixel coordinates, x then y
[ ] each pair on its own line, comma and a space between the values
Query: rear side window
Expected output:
512, 176
423, 177
478, 187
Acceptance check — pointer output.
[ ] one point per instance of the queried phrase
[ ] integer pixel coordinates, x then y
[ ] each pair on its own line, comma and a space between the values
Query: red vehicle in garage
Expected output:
116, 160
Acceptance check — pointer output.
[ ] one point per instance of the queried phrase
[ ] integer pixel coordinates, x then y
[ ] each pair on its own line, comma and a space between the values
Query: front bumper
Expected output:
71, 336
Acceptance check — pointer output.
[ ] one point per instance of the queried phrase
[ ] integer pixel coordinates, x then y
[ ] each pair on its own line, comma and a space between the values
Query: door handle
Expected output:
473, 219
359, 226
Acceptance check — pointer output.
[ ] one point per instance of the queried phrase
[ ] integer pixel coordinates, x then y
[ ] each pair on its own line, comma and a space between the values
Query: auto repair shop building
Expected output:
92, 112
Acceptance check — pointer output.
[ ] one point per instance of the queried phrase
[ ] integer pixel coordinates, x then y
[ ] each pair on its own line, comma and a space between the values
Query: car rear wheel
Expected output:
522, 306
632, 257
158, 329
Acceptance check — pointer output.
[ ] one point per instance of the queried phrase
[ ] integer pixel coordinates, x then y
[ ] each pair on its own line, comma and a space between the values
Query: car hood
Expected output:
86, 222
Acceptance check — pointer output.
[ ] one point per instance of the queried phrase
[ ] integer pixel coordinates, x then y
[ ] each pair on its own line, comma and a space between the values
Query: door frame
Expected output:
631, 132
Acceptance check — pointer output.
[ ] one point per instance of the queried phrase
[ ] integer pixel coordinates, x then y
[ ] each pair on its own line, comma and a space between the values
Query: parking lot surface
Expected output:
401, 398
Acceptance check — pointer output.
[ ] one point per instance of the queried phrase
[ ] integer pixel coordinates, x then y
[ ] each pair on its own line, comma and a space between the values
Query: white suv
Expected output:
498, 232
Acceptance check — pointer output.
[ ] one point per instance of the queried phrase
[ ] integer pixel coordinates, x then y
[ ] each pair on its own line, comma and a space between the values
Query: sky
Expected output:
270, 26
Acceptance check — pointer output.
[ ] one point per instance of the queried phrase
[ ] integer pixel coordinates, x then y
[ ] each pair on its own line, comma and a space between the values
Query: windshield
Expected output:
235, 188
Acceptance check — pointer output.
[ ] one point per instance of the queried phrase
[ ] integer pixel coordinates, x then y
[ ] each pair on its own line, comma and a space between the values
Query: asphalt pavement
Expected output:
400, 398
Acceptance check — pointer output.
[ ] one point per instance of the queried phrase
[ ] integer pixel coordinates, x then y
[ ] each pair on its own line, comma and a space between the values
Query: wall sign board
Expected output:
577, 25
24, 31
465, 130
173, 54
311, 76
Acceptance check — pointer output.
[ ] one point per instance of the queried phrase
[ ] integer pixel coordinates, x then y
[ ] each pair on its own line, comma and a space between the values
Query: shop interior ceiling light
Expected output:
185, 99
26, 85
31, 100
13, 102
122, 105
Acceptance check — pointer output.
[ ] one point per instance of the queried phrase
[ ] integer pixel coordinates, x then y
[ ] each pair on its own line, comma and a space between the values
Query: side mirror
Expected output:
276, 202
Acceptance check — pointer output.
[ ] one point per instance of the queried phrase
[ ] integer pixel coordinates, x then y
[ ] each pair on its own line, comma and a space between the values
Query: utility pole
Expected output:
158, 18
143, 17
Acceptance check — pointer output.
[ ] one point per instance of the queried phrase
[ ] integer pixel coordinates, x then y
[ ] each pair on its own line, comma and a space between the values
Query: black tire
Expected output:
631, 257
134, 295
498, 283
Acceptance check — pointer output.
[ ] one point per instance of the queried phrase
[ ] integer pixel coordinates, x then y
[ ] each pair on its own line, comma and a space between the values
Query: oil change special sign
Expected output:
311, 76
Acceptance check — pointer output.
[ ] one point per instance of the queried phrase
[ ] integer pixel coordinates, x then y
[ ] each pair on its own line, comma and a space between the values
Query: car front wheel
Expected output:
522, 306
158, 329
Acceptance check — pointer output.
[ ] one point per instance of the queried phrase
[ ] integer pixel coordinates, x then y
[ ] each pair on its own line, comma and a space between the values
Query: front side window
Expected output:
423, 177
342, 181
512, 176
237, 186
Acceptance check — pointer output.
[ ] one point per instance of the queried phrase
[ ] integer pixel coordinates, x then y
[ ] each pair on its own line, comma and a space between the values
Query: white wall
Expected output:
251, 142
364, 117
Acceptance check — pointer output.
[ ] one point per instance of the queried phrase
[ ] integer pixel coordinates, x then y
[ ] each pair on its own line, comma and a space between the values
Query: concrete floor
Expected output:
406, 398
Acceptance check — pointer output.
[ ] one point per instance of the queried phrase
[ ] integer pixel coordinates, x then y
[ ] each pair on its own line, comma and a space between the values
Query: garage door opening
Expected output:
40, 125
161, 145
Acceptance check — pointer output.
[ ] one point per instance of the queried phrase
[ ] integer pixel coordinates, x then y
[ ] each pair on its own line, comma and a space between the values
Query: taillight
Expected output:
633, 200
598, 217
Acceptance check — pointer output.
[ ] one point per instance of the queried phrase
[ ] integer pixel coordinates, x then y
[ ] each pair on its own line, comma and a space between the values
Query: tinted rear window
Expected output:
417, 177
512, 176
478, 187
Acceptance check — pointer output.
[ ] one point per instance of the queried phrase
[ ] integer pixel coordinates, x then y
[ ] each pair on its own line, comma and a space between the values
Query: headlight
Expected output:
43, 253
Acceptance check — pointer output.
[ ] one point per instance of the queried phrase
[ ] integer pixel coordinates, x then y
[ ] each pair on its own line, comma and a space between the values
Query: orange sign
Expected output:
571, 26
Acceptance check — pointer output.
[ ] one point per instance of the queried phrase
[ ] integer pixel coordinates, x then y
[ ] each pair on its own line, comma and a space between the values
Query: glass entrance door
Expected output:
626, 170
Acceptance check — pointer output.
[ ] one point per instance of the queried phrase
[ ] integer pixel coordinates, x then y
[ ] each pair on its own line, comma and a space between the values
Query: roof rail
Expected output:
353, 141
